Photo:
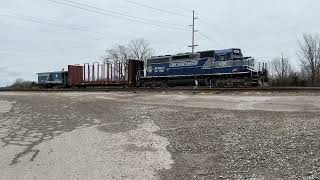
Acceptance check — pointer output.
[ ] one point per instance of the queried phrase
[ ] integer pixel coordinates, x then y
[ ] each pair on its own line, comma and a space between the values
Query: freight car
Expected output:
96, 74
222, 68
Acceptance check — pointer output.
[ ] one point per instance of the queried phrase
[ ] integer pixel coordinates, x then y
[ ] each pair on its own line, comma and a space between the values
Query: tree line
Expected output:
282, 72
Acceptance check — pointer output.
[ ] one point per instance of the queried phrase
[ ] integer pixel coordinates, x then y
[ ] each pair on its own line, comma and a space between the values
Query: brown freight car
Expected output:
75, 73
105, 74
134, 68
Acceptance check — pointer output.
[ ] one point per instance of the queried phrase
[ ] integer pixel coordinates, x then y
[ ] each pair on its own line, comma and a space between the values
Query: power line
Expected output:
173, 13
53, 23
119, 17
205, 22
50, 22
34, 20
169, 12
204, 35
155, 8
188, 10
122, 14
209, 38
42, 21
129, 17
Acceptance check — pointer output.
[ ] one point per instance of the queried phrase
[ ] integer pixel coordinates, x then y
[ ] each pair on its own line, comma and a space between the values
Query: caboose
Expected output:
221, 68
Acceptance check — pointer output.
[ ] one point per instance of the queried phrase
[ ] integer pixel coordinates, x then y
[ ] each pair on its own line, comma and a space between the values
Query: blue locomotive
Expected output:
221, 68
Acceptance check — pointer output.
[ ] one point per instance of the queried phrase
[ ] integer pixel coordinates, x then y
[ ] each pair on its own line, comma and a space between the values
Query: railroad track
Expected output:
191, 89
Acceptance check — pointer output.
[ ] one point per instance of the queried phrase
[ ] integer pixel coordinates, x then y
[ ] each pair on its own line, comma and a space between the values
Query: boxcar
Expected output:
75, 75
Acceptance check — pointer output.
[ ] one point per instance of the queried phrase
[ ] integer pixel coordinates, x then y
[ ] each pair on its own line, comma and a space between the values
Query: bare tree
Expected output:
280, 68
119, 53
138, 49
309, 56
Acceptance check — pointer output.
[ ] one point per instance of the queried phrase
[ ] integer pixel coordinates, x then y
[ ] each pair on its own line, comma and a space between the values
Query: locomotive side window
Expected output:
207, 54
229, 56
158, 60
237, 56
181, 57
222, 58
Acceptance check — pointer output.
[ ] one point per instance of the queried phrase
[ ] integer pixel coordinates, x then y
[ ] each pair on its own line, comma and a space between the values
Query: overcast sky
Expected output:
41, 35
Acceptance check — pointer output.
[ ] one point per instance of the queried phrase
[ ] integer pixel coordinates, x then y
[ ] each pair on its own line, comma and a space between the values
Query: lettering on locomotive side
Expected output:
159, 69
183, 64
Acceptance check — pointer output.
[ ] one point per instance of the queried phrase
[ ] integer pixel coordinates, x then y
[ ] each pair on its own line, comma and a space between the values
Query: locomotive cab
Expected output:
228, 54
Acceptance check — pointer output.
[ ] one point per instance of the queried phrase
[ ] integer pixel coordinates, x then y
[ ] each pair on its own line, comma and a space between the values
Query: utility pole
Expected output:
193, 31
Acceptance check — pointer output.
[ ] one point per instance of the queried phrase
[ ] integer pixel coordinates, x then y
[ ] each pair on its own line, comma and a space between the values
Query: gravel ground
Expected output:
159, 135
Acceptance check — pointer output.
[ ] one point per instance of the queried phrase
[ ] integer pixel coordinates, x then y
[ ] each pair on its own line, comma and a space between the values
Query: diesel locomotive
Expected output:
219, 68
